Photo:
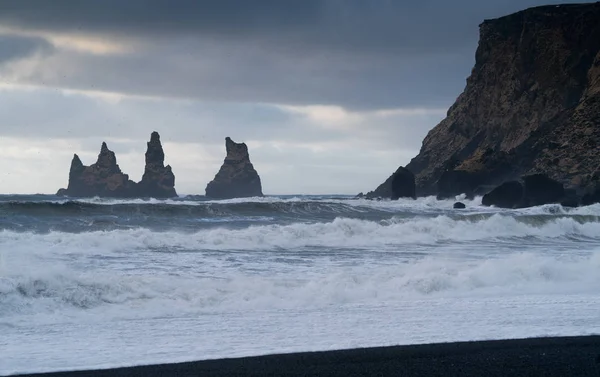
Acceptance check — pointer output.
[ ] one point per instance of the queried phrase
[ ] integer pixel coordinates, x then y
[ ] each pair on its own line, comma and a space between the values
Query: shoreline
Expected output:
548, 356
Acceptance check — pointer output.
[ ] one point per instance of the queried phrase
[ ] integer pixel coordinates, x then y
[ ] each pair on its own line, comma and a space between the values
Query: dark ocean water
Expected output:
100, 282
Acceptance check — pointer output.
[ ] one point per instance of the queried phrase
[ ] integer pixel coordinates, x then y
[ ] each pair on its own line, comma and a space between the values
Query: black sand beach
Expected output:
561, 356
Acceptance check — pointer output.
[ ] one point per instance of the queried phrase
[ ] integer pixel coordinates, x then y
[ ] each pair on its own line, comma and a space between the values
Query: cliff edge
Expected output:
531, 105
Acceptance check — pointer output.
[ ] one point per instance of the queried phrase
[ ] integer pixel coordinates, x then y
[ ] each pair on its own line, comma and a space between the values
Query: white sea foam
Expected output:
422, 272
394, 235
39, 290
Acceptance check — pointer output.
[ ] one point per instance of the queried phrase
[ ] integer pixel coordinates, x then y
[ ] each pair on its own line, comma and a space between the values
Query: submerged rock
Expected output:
459, 205
158, 180
237, 177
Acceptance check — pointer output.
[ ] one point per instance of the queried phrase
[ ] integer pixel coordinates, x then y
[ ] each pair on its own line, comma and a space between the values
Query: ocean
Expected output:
98, 283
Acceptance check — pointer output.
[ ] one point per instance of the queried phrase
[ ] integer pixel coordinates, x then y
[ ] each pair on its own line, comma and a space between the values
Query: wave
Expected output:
392, 235
38, 290
266, 206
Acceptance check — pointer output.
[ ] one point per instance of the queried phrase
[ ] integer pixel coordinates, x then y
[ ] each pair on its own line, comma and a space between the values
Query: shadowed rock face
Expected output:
158, 180
531, 105
531, 190
105, 179
403, 184
237, 177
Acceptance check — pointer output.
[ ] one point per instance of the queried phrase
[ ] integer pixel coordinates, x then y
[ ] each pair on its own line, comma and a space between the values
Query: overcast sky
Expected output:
331, 96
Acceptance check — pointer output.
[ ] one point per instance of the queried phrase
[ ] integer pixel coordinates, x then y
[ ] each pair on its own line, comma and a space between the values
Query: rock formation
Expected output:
158, 180
459, 205
237, 177
531, 105
401, 184
531, 190
105, 179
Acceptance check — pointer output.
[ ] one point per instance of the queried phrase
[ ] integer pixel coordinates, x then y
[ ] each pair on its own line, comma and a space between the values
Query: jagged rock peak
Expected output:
158, 180
76, 162
107, 160
155, 153
236, 151
103, 178
237, 177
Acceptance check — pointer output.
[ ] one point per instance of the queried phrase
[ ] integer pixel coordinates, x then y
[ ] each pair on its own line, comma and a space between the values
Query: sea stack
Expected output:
158, 180
103, 178
531, 106
237, 178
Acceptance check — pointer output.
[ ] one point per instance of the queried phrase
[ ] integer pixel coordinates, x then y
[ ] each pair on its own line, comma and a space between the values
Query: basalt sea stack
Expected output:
237, 178
531, 106
158, 180
105, 179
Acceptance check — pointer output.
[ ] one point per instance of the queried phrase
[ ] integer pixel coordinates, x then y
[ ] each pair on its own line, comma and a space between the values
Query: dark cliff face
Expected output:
237, 177
531, 104
158, 180
105, 179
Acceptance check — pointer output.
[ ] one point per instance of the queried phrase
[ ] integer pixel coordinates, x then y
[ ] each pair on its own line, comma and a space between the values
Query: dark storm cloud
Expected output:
16, 47
354, 53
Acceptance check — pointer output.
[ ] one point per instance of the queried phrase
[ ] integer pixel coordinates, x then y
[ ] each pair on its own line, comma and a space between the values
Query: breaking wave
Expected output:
48, 291
390, 234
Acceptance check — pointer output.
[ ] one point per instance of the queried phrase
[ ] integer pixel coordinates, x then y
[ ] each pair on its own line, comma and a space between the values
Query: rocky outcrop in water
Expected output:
531, 105
401, 184
531, 190
105, 179
237, 177
158, 180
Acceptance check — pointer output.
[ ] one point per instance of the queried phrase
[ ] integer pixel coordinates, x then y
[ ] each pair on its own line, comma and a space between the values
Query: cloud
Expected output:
14, 47
354, 54
323, 91
328, 144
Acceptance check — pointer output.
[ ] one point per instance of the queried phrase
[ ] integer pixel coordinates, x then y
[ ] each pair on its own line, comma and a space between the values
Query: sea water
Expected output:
97, 283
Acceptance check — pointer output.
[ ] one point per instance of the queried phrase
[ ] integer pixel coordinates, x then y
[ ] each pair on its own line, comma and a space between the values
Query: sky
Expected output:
331, 96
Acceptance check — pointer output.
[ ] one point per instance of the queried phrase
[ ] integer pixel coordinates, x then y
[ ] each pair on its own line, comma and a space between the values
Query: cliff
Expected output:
237, 177
531, 105
104, 178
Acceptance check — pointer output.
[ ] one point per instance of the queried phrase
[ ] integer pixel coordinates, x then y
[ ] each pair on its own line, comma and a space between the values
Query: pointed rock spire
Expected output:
237, 177
104, 178
158, 180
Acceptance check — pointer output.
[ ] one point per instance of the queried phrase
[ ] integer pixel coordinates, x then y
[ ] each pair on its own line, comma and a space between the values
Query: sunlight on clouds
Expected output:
91, 44
336, 117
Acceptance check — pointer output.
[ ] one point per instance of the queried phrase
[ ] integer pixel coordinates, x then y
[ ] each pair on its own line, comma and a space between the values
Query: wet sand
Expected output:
564, 356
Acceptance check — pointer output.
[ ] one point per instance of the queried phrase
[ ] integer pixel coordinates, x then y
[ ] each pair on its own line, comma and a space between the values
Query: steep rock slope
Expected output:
531, 105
